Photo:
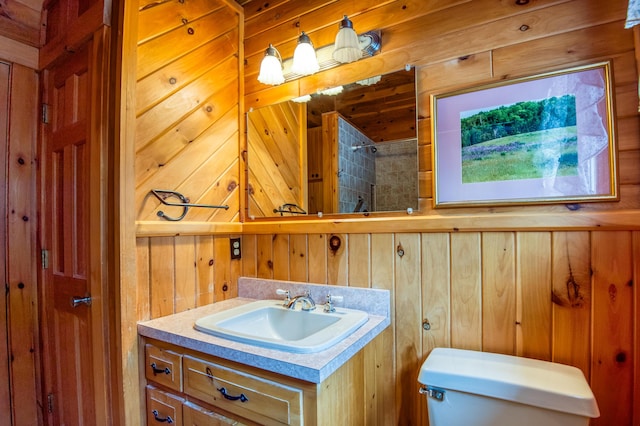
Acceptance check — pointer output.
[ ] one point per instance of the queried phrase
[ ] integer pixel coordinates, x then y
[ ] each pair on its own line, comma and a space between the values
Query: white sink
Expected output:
266, 323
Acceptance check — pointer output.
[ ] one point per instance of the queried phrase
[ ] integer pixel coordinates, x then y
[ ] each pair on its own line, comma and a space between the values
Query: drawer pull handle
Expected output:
167, 419
157, 370
224, 393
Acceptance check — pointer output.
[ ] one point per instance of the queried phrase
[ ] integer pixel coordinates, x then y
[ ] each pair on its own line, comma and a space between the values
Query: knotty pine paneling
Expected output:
277, 169
612, 325
180, 273
565, 296
187, 135
20, 219
498, 291
515, 292
21, 227
5, 390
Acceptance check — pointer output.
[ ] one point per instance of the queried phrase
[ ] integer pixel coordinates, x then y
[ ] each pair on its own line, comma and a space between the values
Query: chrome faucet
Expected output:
307, 302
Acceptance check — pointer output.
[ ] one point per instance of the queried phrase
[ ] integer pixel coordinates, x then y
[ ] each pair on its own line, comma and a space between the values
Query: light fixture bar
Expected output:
369, 42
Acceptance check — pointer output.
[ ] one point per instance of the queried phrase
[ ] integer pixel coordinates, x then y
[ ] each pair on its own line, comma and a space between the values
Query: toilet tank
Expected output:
479, 388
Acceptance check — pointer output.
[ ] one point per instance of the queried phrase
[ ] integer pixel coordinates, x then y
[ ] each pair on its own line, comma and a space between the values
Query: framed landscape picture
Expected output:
548, 138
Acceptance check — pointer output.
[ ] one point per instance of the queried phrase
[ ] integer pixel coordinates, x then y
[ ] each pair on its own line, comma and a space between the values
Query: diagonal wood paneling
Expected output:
187, 127
277, 172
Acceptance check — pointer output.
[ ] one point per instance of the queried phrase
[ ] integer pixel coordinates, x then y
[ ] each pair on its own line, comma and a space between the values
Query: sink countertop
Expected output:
314, 367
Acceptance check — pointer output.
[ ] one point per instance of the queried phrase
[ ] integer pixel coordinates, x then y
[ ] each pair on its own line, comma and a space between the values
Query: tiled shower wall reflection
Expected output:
357, 170
384, 180
397, 175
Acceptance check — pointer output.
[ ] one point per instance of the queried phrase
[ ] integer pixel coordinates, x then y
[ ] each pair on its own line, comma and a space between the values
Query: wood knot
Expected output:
613, 292
334, 243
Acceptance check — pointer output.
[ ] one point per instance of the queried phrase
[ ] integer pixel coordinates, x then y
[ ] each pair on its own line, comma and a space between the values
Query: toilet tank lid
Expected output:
527, 381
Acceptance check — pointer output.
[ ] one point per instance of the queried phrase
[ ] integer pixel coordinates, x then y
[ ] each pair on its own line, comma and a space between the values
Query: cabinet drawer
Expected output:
252, 397
163, 367
162, 407
193, 415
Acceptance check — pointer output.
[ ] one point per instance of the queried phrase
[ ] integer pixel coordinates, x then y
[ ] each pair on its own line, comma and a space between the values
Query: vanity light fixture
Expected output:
332, 91
305, 61
347, 48
369, 81
302, 99
271, 67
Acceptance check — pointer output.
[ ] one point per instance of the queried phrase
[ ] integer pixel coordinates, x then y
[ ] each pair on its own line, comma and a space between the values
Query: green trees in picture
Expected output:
525, 140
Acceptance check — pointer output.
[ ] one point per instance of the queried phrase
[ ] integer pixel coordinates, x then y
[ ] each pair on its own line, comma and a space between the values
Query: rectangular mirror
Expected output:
351, 150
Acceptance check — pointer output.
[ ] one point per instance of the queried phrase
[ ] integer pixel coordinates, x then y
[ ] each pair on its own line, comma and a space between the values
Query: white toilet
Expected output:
485, 389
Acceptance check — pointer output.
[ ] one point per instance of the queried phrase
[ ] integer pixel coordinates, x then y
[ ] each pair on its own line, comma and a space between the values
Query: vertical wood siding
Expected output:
20, 394
565, 296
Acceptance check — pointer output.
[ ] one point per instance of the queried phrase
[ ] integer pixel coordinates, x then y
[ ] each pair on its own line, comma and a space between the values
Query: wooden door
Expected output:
73, 328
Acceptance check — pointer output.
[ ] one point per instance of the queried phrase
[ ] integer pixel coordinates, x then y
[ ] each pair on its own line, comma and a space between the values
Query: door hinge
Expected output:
50, 400
45, 113
44, 256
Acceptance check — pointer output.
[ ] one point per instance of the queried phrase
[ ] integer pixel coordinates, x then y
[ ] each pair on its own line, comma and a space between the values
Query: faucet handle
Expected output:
281, 292
328, 306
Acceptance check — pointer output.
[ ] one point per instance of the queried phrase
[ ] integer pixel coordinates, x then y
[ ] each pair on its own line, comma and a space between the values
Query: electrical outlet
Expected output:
235, 248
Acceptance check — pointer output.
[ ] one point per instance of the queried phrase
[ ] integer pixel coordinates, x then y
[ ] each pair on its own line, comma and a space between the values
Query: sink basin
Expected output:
266, 323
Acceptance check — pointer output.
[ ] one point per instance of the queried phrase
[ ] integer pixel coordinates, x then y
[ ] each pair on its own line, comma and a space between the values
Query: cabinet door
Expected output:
163, 407
193, 415
255, 398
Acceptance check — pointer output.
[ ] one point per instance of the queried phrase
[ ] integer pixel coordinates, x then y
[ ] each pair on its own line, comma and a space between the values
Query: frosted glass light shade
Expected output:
305, 61
302, 99
271, 68
347, 48
332, 91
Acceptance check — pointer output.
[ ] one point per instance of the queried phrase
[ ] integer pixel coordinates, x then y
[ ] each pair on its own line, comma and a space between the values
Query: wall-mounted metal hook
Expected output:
162, 195
290, 208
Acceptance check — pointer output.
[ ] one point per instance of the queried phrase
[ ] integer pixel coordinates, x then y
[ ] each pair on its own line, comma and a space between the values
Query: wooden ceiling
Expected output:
383, 111
21, 20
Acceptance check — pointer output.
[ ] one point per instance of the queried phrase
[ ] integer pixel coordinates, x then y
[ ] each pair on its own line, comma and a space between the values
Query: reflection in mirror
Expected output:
345, 152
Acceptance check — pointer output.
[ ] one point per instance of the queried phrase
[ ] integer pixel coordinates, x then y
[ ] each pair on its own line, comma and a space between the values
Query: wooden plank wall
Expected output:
187, 107
5, 390
565, 294
276, 158
20, 400
180, 273
457, 45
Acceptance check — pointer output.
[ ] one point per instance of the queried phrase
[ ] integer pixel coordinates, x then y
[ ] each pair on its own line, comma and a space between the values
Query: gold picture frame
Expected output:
547, 138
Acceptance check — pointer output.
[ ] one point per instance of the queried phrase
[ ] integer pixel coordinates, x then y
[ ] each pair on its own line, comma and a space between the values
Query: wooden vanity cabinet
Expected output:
201, 389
